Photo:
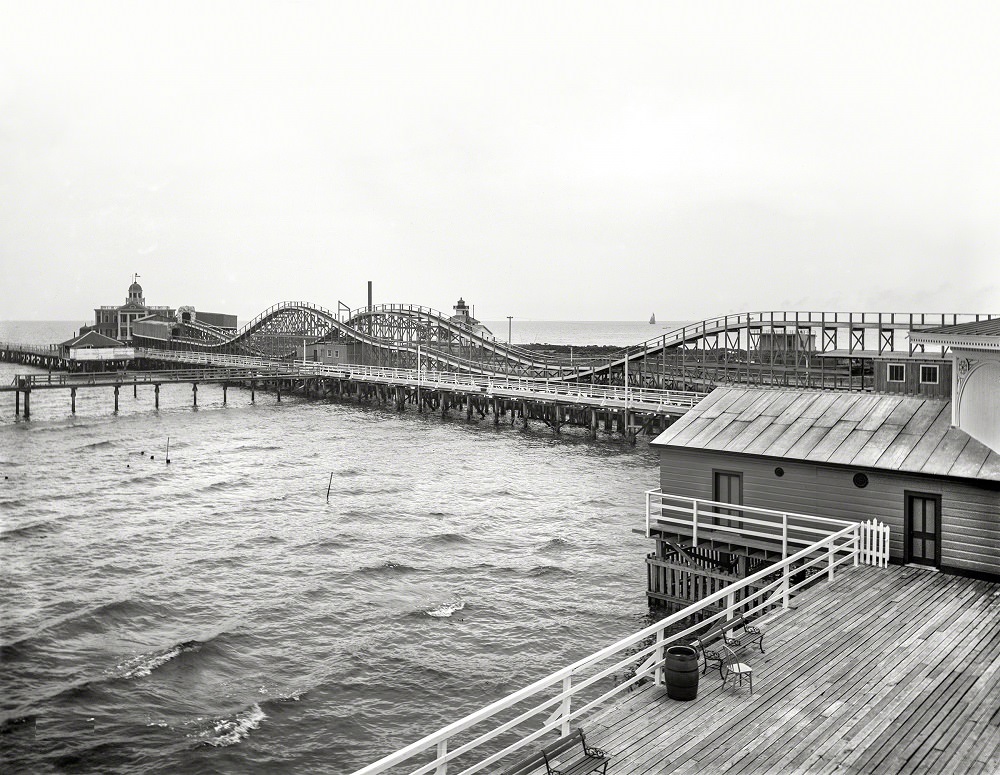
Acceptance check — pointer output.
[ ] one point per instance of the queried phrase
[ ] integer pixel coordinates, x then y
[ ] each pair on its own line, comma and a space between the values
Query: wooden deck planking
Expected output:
954, 701
893, 738
698, 735
884, 670
840, 685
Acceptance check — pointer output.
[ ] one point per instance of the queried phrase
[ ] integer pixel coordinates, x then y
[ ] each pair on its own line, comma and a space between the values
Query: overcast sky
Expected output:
571, 161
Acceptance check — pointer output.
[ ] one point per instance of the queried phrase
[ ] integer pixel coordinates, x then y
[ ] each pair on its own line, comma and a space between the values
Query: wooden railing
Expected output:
507, 386
789, 530
554, 702
40, 349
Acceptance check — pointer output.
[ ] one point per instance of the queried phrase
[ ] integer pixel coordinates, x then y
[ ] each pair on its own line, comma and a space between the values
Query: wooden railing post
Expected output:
784, 587
442, 751
694, 524
660, 656
829, 560
564, 708
648, 507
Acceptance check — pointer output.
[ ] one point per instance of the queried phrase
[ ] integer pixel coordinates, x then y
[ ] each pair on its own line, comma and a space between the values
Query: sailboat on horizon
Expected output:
652, 319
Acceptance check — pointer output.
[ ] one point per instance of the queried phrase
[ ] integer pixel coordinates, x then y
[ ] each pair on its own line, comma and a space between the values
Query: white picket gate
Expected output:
874, 548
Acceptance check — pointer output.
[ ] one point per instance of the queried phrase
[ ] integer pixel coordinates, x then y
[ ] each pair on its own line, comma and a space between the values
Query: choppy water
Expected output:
218, 615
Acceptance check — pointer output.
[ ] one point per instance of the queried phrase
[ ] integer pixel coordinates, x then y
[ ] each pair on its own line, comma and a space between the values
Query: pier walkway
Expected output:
557, 402
881, 671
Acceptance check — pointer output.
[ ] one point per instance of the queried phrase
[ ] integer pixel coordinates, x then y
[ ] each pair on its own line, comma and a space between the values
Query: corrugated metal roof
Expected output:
975, 328
889, 432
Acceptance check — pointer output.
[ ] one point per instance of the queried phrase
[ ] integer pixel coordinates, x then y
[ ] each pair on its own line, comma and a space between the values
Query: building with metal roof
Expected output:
853, 456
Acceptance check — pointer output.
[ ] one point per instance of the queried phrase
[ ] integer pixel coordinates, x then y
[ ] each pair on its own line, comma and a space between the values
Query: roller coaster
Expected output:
802, 349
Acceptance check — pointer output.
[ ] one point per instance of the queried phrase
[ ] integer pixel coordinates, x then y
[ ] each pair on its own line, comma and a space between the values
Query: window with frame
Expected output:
896, 372
928, 375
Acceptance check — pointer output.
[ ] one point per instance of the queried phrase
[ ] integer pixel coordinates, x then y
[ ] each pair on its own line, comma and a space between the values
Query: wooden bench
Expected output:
591, 760
736, 633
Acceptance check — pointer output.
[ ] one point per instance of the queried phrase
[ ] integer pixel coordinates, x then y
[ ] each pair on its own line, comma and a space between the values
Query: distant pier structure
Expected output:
125, 321
395, 345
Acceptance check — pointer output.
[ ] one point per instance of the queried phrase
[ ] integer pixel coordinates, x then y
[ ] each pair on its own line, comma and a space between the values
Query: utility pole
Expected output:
509, 318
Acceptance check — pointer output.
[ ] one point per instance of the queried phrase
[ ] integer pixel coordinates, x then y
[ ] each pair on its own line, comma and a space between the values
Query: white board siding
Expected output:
970, 514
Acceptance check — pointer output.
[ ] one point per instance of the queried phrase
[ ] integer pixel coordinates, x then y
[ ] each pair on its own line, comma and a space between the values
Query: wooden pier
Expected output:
884, 670
625, 410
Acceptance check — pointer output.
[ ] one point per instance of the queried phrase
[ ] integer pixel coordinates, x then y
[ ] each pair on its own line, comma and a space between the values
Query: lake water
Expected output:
219, 615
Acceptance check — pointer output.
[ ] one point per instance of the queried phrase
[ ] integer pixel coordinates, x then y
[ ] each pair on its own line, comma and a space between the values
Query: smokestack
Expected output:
369, 295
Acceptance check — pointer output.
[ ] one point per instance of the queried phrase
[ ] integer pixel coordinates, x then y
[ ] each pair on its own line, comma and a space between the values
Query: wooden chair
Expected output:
732, 668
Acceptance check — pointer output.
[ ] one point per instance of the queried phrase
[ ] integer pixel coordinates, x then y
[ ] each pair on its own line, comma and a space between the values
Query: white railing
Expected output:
555, 701
604, 396
40, 349
788, 529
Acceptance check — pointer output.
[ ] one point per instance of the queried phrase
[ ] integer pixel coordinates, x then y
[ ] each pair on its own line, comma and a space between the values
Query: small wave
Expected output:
17, 723
268, 540
446, 610
555, 544
255, 448
76, 621
219, 486
388, 567
283, 699
352, 491
144, 664
27, 531
446, 538
546, 570
348, 472
329, 543
229, 731
95, 445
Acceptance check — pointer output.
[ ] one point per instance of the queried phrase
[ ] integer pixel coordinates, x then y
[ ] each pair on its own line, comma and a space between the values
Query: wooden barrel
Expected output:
681, 669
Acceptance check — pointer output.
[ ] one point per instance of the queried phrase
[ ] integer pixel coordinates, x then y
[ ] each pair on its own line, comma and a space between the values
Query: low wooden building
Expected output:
331, 352
91, 346
853, 456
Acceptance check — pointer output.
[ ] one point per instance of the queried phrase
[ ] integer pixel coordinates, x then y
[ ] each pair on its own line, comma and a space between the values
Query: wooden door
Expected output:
727, 487
923, 528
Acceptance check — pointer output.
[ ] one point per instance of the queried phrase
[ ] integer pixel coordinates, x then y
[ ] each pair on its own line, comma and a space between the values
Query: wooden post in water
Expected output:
135, 387
593, 423
72, 400
156, 395
253, 392
328, 486
27, 403
194, 392
116, 398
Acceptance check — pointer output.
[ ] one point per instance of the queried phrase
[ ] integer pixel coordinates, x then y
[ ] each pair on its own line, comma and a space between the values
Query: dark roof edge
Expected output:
989, 484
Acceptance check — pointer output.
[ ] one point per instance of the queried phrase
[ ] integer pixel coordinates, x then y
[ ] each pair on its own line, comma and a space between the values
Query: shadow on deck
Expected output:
883, 670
